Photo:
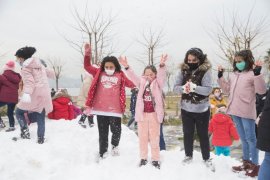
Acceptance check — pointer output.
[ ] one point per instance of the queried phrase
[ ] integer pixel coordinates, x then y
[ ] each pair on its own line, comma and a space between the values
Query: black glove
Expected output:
43, 62
220, 73
257, 70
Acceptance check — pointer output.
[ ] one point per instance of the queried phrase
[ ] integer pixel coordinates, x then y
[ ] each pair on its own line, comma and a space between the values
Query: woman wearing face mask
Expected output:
216, 99
106, 99
149, 111
242, 85
194, 82
36, 98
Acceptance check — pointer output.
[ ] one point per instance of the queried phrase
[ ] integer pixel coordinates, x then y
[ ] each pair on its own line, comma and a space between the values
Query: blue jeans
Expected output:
131, 120
162, 144
10, 112
264, 172
33, 117
225, 150
246, 131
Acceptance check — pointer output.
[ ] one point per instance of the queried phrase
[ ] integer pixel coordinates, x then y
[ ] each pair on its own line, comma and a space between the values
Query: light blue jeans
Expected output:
264, 173
246, 131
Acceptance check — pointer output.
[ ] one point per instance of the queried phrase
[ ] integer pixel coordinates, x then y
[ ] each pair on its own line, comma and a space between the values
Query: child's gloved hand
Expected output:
186, 88
192, 86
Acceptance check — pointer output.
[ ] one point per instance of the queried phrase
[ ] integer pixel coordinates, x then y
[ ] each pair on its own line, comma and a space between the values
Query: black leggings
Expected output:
104, 122
201, 121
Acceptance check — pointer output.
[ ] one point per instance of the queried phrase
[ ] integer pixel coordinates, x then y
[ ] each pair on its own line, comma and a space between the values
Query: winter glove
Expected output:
43, 62
257, 70
26, 98
184, 89
192, 86
220, 73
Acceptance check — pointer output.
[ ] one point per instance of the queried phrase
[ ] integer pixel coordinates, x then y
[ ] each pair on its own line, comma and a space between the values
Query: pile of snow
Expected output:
69, 153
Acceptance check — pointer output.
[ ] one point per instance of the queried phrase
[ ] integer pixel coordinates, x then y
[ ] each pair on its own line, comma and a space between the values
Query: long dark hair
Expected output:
247, 57
198, 53
113, 60
151, 67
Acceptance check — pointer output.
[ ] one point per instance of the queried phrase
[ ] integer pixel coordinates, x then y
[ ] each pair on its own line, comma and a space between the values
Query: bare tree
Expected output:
151, 42
57, 66
94, 29
171, 69
235, 33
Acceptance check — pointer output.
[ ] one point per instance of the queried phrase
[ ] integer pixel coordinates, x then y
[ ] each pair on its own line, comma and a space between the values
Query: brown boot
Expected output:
253, 170
246, 165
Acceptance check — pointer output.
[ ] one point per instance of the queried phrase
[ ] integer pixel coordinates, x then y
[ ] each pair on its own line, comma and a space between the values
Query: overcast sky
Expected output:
185, 23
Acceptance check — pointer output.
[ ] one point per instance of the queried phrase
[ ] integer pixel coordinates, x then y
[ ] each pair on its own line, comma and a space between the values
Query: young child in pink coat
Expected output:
149, 111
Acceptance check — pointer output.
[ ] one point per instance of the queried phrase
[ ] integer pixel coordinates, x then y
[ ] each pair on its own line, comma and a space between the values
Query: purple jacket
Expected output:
241, 88
9, 85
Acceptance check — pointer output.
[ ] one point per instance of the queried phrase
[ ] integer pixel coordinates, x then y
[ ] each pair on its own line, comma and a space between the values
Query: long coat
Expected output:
35, 82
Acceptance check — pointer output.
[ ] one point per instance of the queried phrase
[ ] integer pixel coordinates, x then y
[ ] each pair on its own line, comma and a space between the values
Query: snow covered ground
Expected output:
69, 154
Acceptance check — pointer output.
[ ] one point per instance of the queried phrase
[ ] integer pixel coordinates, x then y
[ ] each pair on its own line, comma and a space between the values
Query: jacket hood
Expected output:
62, 100
220, 118
12, 76
32, 63
203, 67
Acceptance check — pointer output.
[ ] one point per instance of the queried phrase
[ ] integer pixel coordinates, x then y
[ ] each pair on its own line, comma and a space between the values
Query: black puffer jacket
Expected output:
263, 139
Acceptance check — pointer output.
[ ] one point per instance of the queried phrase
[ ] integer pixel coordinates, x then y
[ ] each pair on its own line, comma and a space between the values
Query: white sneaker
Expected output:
187, 160
209, 164
115, 151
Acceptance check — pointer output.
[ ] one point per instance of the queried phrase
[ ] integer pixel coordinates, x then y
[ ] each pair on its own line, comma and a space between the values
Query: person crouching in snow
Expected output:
87, 80
149, 111
107, 99
36, 98
62, 106
223, 129
9, 85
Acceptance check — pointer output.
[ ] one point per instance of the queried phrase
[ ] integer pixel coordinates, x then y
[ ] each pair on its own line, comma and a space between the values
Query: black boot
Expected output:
143, 162
91, 121
25, 133
40, 140
81, 121
156, 164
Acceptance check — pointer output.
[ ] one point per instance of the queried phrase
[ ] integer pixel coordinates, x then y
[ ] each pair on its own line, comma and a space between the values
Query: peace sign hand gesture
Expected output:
163, 60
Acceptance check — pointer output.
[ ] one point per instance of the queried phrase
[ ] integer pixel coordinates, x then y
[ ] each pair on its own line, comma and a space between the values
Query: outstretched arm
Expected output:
130, 73
87, 60
161, 74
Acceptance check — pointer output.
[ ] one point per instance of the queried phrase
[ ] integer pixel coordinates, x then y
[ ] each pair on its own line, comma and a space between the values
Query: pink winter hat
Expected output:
10, 65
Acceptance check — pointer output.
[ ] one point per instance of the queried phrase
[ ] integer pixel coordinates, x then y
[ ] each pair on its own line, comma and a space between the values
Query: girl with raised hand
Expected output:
242, 86
106, 99
149, 111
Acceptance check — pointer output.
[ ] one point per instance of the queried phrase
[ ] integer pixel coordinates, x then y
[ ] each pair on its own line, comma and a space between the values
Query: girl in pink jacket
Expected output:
149, 111
242, 86
36, 100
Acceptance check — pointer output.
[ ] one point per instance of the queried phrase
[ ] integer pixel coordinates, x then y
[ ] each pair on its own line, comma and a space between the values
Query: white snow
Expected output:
69, 153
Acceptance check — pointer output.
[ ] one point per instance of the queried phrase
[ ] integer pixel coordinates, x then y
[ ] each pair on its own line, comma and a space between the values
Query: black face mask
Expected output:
193, 66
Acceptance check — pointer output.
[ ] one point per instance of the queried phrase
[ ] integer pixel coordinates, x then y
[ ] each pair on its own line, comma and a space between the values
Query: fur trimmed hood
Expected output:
203, 67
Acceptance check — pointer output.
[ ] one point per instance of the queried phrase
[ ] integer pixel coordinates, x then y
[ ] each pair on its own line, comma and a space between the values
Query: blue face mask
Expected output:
241, 65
